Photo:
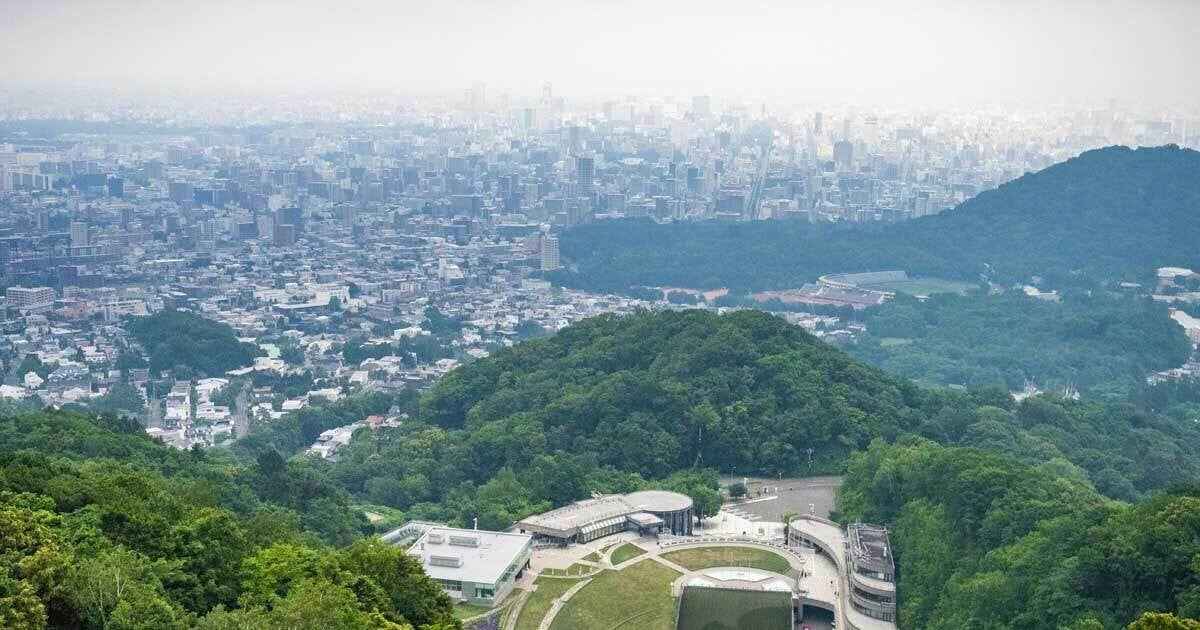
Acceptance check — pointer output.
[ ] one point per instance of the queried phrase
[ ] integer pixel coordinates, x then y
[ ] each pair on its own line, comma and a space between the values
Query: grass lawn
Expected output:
640, 595
922, 286
539, 601
463, 611
573, 570
625, 552
705, 557
592, 557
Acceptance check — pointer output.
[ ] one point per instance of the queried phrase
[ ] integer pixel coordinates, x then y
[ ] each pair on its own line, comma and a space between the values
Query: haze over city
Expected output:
928, 52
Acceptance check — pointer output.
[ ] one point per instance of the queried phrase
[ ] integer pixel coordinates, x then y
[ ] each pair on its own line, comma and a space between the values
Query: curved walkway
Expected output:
559, 603
797, 560
510, 622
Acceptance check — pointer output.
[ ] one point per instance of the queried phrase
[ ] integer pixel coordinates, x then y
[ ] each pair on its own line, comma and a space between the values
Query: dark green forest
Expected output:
984, 541
181, 338
667, 399
256, 535
103, 528
1108, 215
1096, 345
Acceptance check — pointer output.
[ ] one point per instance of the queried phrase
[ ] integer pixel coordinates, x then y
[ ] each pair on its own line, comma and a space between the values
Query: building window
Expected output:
450, 585
484, 592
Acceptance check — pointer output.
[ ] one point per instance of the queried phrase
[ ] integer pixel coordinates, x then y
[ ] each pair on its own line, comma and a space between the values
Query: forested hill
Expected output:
103, 528
983, 541
1110, 214
657, 392
1099, 346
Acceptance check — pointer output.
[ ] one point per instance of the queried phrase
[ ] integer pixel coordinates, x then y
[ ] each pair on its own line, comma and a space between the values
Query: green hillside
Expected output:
1088, 343
103, 528
657, 392
615, 404
1110, 214
983, 541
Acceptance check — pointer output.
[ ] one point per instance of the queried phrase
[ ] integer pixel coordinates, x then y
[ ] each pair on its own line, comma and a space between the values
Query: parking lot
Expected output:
787, 496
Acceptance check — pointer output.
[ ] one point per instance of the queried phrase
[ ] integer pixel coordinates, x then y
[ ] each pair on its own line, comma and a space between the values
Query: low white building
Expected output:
32, 380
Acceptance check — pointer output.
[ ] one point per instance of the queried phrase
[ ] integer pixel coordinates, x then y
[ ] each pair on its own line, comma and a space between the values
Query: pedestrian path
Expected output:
559, 603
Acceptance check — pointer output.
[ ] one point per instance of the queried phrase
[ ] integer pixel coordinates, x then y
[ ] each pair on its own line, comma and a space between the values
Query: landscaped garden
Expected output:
638, 596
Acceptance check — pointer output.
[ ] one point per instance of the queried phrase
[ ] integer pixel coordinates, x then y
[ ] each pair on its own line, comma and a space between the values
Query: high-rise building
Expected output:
285, 234
585, 169
79, 234
293, 216
549, 253
843, 153
181, 192
266, 225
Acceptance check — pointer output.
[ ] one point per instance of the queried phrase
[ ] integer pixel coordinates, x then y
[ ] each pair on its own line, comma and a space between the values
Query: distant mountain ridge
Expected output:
1107, 215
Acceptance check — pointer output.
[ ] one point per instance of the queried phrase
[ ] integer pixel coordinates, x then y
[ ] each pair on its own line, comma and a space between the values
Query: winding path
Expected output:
559, 603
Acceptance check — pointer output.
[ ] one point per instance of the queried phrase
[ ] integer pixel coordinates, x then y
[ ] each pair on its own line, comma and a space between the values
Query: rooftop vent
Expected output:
443, 560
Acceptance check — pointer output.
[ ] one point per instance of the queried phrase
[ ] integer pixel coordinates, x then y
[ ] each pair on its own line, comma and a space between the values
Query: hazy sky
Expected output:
925, 51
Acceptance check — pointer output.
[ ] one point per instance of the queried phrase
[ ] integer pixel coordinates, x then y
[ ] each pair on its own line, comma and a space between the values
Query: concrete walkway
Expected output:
559, 603
515, 610
662, 560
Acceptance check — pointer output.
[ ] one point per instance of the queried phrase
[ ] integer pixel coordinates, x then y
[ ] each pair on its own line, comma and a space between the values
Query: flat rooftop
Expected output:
869, 544
570, 519
471, 555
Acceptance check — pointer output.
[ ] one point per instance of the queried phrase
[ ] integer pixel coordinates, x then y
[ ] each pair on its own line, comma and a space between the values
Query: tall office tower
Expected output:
817, 124
79, 234
181, 192
266, 225
478, 97
348, 215
585, 169
285, 234
843, 153
126, 217
293, 216
549, 253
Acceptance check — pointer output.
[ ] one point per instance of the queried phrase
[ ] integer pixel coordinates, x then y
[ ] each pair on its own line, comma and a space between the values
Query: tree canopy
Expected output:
181, 338
102, 527
1088, 343
1107, 215
983, 541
